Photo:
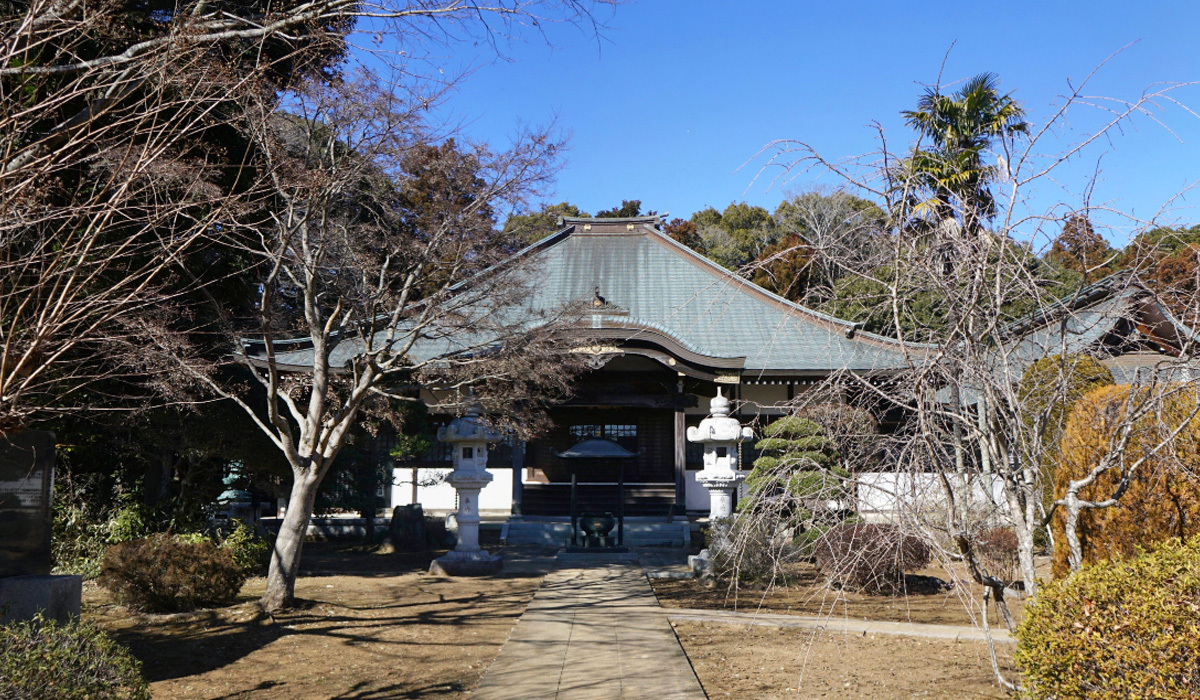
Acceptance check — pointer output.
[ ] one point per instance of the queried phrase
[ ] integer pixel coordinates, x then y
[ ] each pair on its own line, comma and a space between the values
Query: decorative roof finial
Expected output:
719, 405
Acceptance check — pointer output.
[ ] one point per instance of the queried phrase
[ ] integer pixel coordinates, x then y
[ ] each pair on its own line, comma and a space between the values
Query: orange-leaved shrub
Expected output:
1048, 391
1120, 629
168, 574
1163, 497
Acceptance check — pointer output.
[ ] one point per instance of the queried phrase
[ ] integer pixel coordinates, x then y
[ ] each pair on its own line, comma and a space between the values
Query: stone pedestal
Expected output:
720, 435
55, 597
470, 439
457, 563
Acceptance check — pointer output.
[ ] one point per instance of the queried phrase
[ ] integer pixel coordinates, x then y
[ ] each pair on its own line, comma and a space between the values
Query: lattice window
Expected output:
583, 432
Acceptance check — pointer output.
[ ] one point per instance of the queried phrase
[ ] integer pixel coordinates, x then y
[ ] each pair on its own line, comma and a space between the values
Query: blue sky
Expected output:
671, 105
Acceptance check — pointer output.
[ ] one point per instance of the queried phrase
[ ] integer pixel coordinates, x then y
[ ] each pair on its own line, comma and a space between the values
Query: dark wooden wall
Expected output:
655, 441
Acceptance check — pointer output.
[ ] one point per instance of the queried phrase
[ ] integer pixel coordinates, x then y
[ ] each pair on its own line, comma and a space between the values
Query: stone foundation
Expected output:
466, 564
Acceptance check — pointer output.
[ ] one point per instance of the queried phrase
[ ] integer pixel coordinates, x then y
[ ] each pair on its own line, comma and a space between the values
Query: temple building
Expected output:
666, 328
672, 338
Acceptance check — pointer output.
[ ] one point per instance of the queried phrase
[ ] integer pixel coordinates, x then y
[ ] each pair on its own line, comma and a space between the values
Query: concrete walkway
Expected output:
592, 634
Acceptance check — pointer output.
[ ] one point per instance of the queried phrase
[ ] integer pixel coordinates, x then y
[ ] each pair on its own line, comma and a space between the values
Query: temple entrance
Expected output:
632, 401
649, 478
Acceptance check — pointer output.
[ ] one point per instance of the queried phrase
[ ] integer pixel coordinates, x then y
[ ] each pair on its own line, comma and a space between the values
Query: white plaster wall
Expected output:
763, 398
496, 496
885, 496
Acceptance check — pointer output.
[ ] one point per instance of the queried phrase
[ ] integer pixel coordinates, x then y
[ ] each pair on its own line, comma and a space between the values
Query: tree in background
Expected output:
823, 229
1080, 249
1165, 258
736, 236
534, 226
786, 268
685, 232
629, 208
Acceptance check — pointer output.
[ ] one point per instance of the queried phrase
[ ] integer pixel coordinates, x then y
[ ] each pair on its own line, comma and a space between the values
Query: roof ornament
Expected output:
719, 406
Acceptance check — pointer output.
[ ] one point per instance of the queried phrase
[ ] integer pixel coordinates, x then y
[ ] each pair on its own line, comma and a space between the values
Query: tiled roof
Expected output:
651, 281
654, 286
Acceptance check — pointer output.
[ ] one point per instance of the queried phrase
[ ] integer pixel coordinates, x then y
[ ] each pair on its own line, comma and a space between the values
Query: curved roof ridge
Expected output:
723, 272
642, 324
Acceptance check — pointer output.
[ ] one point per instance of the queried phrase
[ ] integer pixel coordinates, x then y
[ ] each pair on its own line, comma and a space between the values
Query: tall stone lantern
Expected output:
720, 435
469, 438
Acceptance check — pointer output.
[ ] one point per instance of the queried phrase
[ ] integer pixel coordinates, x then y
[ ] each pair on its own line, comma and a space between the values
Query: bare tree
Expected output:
92, 225
962, 281
377, 251
117, 159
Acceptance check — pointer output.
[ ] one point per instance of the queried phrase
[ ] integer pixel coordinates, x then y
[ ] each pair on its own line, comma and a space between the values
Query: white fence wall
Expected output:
884, 496
434, 494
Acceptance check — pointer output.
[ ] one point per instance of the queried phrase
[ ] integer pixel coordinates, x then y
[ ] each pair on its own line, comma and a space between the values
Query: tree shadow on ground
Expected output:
384, 616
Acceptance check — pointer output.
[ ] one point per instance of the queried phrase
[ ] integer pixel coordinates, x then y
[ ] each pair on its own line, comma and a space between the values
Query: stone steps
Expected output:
638, 533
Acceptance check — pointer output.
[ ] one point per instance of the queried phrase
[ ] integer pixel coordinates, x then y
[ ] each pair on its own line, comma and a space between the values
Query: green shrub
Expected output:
81, 532
1048, 392
1118, 629
250, 550
868, 557
166, 574
42, 660
193, 537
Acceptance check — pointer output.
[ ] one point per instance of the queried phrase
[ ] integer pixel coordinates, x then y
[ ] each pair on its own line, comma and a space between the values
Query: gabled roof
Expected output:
659, 293
1112, 317
650, 284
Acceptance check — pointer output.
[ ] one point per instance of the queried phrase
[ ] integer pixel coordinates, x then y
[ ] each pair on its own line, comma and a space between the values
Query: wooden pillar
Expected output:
680, 462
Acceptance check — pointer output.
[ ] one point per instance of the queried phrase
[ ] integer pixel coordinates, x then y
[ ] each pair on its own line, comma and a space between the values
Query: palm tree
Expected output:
949, 177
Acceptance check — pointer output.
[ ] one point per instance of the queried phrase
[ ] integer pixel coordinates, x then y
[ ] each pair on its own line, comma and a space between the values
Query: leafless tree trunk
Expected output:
377, 249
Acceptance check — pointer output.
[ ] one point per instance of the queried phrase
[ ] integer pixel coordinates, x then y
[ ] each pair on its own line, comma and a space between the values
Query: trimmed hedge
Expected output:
42, 660
168, 574
1115, 630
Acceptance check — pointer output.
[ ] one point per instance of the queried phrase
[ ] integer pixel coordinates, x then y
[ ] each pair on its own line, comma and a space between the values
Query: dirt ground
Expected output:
371, 626
806, 594
377, 626
767, 663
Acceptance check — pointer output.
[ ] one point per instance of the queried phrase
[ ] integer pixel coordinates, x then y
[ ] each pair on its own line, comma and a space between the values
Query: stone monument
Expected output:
26, 520
469, 438
720, 435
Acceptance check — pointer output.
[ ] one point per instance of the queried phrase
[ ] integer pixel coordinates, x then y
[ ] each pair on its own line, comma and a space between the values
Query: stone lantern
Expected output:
469, 438
720, 435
